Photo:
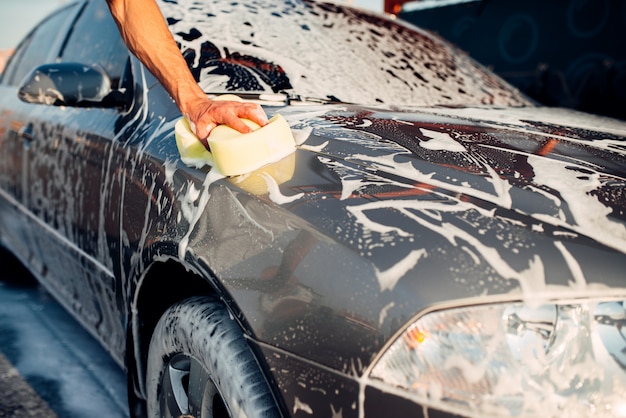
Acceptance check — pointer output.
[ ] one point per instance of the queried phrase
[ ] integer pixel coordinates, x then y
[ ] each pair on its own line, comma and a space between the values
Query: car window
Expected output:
96, 40
40, 46
326, 51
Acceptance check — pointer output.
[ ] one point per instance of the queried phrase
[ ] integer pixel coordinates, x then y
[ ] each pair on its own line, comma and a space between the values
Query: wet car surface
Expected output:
435, 245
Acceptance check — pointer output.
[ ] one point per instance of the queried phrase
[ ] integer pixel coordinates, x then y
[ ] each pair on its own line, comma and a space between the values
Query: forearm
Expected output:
146, 34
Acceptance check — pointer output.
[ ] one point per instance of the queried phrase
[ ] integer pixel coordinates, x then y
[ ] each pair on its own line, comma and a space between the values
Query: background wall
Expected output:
569, 53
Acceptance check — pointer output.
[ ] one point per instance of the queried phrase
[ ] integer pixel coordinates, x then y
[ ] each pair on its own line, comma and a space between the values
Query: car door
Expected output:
16, 133
73, 192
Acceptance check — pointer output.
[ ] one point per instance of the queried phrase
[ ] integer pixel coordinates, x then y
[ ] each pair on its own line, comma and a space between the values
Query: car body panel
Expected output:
490, 250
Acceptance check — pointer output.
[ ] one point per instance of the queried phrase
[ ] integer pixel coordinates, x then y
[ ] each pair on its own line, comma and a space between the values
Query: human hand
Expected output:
147, 35
204, 115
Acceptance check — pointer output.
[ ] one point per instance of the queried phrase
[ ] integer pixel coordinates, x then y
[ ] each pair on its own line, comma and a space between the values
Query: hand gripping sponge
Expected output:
233, 153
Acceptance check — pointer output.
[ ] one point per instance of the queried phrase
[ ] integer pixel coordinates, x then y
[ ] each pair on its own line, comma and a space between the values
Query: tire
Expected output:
200, 365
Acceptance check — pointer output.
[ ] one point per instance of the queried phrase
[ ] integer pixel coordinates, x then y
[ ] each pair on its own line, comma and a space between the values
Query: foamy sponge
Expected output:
259, 182
233, 153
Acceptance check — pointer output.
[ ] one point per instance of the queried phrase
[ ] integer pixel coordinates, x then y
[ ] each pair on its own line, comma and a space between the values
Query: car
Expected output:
437, 244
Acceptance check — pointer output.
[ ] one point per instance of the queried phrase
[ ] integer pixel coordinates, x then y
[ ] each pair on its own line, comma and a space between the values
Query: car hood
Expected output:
384, 215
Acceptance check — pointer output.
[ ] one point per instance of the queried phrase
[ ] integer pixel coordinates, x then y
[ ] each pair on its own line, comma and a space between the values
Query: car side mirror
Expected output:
69, 84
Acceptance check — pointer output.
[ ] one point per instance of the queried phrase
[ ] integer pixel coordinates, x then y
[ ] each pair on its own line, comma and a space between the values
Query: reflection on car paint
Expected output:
589, 220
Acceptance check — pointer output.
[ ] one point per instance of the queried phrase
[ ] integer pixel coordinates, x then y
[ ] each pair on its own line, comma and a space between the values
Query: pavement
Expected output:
49, 365
18, 398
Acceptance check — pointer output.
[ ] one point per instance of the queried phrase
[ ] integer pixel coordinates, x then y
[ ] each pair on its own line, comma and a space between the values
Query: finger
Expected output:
237, 124
256, 114
204, 130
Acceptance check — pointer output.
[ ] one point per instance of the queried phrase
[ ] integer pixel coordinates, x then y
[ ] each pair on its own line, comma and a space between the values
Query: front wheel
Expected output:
200, 365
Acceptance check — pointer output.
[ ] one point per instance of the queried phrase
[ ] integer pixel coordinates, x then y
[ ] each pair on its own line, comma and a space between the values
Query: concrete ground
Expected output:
49, 366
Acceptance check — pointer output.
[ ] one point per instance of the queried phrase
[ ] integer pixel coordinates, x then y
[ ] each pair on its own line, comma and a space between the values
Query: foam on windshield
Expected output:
326, 51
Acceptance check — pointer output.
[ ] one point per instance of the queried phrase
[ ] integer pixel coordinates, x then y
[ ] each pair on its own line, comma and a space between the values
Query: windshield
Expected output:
326, 51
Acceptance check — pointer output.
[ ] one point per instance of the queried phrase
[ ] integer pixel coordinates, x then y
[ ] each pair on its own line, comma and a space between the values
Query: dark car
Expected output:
437, 245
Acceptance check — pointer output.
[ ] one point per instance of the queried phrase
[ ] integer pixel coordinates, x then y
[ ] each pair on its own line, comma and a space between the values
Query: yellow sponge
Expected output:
233, 153
260, 181
192, 151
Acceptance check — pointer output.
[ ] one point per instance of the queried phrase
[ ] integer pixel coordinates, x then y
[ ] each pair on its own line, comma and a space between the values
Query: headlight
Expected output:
513, 360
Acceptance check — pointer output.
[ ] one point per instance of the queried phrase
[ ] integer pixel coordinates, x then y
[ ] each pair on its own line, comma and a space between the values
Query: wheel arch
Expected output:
153, 295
